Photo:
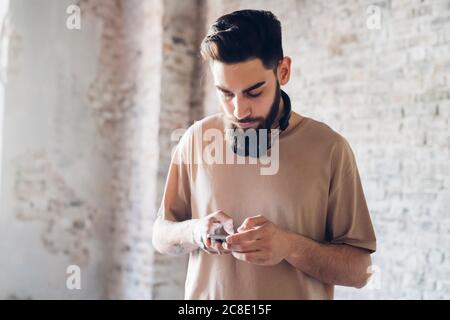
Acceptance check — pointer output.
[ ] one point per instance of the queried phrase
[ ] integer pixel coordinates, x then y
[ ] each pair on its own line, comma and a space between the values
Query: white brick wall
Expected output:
387, 91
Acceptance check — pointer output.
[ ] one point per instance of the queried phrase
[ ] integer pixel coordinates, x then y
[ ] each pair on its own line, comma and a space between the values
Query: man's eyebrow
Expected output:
252, 87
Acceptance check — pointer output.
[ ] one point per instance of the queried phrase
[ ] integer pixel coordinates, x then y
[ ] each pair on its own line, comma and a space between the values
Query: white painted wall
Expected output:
4, 6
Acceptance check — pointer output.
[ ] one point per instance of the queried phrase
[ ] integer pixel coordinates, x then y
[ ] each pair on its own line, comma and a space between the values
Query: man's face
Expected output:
249, 94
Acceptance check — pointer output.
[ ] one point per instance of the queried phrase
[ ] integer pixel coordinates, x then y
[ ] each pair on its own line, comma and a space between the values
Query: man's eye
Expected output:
254, 95
227, 94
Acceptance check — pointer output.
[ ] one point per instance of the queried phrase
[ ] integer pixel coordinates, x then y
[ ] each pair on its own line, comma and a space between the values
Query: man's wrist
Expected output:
196, 239
295, 244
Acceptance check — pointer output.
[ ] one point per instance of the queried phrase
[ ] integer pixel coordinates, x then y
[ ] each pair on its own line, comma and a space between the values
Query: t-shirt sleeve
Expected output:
175, 203
348, 218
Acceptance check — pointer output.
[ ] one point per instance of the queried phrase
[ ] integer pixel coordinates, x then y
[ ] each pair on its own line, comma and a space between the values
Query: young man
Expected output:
302, 229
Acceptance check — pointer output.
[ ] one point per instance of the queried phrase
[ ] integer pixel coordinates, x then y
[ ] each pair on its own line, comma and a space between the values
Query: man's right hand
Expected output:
207, 225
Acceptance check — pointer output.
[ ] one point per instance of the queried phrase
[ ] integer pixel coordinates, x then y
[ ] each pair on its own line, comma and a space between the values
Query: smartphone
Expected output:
218, 237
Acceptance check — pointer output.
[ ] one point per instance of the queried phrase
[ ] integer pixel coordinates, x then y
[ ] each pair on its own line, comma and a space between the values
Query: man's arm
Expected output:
175, 238
172, 237
260, 241
338, 264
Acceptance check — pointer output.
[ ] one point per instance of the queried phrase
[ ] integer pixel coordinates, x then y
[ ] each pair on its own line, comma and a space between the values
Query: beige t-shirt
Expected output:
316, 192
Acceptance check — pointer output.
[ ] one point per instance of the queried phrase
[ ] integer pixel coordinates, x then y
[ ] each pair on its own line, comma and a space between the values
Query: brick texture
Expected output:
387, 91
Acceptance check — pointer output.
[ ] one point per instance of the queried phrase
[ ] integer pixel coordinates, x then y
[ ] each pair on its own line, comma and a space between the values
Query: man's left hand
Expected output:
259, 241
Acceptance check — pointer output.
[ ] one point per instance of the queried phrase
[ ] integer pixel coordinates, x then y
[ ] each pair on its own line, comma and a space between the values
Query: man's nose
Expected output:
241, 110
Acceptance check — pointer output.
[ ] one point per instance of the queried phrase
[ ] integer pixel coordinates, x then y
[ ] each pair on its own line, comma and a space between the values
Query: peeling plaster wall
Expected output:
181, 104
53, 213
81, 150
125, 100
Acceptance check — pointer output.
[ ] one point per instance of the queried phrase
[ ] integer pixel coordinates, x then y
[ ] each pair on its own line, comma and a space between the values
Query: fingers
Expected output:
207, 229
250, 235
217, 248
225, 220
212, 246
252, 222
217, 219
220, 247
248, 246
245, 245
249, 231
207, 245
256, 257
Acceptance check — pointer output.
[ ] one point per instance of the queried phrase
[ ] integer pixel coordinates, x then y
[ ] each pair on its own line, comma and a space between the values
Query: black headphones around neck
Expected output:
284, 120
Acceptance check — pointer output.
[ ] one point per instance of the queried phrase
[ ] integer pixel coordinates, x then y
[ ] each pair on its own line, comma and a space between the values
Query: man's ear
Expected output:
284, 70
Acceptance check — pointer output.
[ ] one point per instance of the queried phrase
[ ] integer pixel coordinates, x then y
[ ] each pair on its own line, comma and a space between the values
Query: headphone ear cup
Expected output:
284, 120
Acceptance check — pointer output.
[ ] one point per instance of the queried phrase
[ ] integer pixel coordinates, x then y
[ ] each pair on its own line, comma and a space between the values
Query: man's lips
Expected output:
246, 124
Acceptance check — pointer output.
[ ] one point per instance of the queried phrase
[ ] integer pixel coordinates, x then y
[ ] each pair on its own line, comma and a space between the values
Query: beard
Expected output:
255, 142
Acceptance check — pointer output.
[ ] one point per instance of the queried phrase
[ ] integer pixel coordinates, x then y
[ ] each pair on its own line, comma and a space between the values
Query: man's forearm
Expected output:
338, 264
174, 238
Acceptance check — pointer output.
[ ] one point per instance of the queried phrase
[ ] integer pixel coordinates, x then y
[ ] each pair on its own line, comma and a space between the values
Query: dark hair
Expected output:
243, 35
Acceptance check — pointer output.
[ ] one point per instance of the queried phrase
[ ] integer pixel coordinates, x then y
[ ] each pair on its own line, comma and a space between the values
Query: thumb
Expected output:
242, 228
228, 226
